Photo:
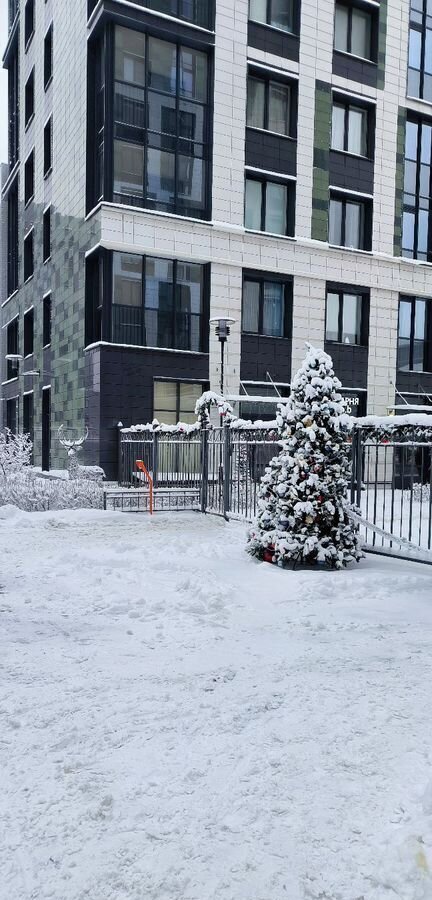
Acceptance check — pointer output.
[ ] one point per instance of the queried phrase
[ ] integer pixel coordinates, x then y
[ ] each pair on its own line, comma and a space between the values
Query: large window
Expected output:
161, 140
46, 325
278, 13
29, 21
13, 106
28, 332
420, 50
266, 308
415, 333
28, 415
349, 222
29, 99
47, 159
199, 12
353, 30
416, 231
29, 255
46, 234
48, 56
350, 127
346, 315
12, 239
269, 206
269, 105
174, 401
29, 178
159, 303
12, 348
12, 414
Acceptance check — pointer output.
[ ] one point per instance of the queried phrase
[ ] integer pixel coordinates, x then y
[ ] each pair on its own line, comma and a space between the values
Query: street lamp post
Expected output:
222, 331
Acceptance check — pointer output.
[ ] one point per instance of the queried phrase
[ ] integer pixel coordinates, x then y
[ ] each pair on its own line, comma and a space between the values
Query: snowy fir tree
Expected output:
303, 496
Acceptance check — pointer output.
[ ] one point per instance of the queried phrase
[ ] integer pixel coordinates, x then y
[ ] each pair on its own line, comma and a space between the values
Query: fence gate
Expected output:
392, 489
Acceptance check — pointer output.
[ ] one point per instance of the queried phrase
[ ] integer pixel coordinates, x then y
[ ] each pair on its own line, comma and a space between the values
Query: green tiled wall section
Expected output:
321, 161
400, 154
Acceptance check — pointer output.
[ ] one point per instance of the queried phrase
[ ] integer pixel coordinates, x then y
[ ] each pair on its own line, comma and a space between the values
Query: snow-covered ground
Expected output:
180, 722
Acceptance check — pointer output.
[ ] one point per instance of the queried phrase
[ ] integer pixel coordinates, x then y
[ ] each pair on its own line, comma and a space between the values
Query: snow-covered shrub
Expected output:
15, 453
303, 497
32, 493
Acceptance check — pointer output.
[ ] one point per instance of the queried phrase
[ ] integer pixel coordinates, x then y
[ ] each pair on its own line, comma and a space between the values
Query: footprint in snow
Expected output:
219, 679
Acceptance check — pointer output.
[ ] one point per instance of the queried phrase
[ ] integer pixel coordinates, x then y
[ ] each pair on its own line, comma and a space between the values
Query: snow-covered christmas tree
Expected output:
303, 497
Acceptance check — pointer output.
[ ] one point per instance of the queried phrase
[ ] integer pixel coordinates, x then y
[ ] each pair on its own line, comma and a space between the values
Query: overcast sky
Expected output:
3, 81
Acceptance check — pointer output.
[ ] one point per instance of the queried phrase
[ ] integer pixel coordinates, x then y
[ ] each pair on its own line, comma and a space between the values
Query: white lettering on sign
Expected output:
349, 402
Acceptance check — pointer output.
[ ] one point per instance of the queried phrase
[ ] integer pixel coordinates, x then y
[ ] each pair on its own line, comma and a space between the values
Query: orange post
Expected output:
143, 468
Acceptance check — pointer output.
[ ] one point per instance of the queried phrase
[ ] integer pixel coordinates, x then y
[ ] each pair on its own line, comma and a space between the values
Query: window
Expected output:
46, 334
28, 415
269, 206
353, 31
269, 105
12, 239
12, 414
46, 249
416, 231
48, 56
159, 303
29, 21
415, 332
47, 147
344, 317
13, 107
28, 332
29, 99
278, 13
199, 12
161, 140
29, 178
28, 256
349, 127
420, 50
266, 307
349, 223
174, 401
12, 345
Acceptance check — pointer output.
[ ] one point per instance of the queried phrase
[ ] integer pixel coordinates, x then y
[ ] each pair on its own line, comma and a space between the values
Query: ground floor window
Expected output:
415, 335
28, 415
12, 414
174, 401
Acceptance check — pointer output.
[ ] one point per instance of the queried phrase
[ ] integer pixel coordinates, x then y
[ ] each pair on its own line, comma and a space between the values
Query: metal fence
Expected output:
217, 470
392, 489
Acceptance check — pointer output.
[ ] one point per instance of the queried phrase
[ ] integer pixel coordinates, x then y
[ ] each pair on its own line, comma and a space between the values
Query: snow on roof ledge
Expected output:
414, 419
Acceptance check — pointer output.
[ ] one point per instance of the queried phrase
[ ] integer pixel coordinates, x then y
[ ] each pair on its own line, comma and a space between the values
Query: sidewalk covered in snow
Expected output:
181, 722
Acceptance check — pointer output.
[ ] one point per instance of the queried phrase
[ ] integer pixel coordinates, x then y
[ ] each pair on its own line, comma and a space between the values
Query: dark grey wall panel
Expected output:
351, 172
271, 40
260, 355
355, 69
126, 390
350, 363
414, 383
270, 152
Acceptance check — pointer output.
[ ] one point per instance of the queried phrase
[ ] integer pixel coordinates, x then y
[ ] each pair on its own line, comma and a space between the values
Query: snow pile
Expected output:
180, 722
32, 493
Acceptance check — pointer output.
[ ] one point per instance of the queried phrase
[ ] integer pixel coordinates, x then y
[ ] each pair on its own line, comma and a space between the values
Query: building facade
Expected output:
172, 161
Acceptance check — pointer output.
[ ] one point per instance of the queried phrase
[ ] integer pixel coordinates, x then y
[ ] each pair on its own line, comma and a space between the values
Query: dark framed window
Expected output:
13, 10
29, 98
12, 347
159, 303
12, 239
48, 56
29, 178
266, 306
354, 30
417, 196
46, 332
278, 13
29, 255
420, 50
12, 414
29, 21
271, 105
13, 106
161, 124
47, 166
350, 222
269, 206
352, 127
174, 401
346, 316
46, 242
415, 335
199, 12
28, 332
28, 415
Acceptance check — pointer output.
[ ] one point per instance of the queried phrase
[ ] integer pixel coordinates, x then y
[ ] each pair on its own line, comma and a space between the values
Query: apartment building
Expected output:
173, 161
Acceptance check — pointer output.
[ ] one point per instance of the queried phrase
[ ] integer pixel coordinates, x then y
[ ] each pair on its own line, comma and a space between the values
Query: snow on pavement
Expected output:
180, 722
